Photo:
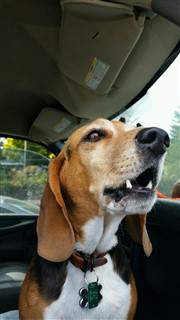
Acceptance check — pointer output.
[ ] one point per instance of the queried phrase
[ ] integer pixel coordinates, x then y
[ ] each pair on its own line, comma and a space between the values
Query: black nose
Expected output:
154, 139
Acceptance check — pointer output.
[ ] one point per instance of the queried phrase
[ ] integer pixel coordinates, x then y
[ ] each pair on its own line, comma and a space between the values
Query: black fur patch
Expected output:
121, 262
121, 255
50, 277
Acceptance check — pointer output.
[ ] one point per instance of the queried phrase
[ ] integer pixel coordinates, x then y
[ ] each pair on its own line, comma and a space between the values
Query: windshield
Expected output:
161, 107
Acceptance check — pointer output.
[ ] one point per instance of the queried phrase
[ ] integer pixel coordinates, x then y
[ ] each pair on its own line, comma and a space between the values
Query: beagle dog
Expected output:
105, 173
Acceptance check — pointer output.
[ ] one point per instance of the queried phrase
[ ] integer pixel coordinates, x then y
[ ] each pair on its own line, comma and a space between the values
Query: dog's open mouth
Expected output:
143, 184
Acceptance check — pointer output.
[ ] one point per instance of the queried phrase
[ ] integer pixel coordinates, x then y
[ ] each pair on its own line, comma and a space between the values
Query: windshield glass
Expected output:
161, 107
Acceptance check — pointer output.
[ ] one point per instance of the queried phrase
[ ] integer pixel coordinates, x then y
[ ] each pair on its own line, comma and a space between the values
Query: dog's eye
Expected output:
95, 136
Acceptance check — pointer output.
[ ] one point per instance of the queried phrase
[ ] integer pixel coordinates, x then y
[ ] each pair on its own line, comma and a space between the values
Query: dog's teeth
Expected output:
150, 185
128, 184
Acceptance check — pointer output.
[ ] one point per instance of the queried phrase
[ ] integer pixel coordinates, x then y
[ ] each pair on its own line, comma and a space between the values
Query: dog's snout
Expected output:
154, 139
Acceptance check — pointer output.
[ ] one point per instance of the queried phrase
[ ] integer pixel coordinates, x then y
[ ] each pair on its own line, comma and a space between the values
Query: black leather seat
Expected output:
157, 277
11, 277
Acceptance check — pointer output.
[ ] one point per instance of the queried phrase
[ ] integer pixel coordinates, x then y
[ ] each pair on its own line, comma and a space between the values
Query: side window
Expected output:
171, 172
23, 174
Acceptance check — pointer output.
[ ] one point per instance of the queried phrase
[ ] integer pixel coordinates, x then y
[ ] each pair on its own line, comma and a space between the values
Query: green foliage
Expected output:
171, 171
23, 169
26, 183
27, 145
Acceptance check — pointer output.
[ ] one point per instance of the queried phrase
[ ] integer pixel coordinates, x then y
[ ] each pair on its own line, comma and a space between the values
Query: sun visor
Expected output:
96, 38
52, 125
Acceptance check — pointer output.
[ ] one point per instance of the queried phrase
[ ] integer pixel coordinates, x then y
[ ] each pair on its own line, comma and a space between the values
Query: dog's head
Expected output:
104, 167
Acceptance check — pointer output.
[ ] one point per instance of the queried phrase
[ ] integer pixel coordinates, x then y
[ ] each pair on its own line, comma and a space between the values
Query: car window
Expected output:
23, 174
161, 107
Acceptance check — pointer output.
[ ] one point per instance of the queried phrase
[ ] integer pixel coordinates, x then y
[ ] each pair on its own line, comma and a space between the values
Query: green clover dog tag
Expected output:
94, 295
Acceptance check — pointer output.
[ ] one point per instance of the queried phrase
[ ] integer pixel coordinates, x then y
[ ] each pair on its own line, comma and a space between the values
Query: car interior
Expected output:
63, 64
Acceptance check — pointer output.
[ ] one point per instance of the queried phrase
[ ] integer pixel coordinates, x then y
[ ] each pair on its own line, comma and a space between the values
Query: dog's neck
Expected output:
94, 229
99, 234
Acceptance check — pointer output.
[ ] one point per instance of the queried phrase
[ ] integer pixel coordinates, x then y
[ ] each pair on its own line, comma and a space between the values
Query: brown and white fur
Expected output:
88, 194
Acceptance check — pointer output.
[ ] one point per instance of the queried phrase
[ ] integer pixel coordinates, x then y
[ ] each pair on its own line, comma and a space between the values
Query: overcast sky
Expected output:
162, 100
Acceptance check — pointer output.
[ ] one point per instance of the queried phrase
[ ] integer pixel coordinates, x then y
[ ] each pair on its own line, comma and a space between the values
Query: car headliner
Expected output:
31, 80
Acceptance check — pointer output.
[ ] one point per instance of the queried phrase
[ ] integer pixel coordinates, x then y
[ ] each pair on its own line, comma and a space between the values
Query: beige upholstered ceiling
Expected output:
43, 67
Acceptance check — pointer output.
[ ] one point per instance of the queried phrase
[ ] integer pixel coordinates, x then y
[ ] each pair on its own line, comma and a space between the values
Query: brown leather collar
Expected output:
87, 262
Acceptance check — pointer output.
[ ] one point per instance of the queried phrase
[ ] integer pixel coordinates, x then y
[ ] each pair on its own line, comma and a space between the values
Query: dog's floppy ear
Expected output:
54, 230
136, 227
